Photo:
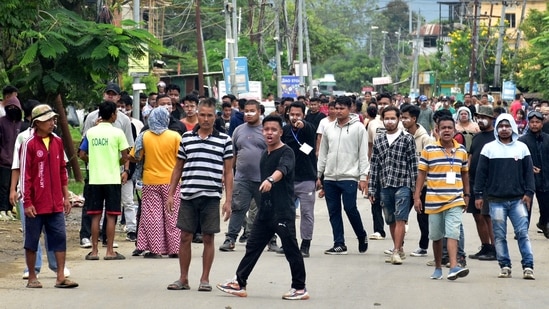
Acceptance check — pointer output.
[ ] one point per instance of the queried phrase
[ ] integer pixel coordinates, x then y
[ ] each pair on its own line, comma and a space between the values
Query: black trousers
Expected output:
543, 203
5, 182
377, 213
261, 234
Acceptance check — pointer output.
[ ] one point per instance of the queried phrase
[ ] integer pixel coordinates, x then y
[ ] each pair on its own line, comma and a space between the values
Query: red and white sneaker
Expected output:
294, 294
232, 287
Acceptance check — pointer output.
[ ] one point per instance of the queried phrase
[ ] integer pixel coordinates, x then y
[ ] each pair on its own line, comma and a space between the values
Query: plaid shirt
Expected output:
395, 165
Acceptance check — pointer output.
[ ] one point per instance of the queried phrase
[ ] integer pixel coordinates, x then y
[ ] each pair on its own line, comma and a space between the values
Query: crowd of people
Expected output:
181, 155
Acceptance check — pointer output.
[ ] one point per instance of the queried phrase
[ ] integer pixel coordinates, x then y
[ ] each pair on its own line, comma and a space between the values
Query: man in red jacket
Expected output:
45, 194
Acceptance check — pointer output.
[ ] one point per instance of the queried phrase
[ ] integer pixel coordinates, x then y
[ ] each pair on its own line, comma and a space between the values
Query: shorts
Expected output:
445, 224
105, 195
54, 225
396, 203
202, 209
485, 210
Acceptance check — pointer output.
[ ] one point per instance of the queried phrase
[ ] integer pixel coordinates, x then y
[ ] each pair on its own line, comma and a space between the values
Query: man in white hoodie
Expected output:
343, 161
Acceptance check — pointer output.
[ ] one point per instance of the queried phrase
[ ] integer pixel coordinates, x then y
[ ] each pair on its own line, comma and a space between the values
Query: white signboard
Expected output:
382, 80
255, 92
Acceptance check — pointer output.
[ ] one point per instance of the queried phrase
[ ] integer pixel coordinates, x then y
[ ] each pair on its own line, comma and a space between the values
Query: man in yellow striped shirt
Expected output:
443, 167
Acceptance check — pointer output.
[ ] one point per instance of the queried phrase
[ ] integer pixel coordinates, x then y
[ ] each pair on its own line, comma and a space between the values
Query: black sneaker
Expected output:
137, 252
362, 244
337, 250
244, 238
481, 252
489, 254
131, 236
280, 251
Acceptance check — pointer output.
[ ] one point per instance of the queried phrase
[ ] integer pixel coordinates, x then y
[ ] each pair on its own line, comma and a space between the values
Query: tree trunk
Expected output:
260, 25
67, 139
251, 13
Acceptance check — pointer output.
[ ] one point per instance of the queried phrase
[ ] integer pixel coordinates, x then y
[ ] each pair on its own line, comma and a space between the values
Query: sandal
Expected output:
178, 285
117, 256
66, 284
204, 287
34, 284
90, 257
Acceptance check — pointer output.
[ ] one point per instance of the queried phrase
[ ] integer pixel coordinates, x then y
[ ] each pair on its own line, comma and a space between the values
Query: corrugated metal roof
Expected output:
429, 30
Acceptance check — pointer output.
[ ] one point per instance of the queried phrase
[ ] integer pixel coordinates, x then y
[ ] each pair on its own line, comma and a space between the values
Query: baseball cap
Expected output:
112, 87
422, 98
42, 112
444, 98
485, 110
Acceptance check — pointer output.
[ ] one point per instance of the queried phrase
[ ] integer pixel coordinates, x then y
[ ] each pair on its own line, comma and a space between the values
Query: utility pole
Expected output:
370, 36
414, 83
136, 80
230, 48
200, 50
474, 49
499, 51
300, 45
383, 68
308, 53
519, 33
277, 40
235, 31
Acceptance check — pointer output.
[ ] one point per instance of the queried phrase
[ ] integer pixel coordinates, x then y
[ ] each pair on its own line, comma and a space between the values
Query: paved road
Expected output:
351, 281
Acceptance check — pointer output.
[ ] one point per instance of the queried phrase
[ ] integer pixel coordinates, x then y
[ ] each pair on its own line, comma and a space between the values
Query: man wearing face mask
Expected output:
482, 216
394, 165
10, 125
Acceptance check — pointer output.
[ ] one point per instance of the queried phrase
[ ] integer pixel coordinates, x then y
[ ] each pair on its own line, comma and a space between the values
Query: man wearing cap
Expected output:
112, 93
482, 216
538, 144
10, 125
45, 194
446, 105
425, 118
161, 86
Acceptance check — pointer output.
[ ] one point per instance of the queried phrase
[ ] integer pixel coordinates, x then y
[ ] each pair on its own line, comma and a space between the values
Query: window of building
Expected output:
430, 41
511, 20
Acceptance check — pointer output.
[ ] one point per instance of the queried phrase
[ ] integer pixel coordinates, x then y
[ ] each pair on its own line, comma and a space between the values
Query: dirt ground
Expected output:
12, 256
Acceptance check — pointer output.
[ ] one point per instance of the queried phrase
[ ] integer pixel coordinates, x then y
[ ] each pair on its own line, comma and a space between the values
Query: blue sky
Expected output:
429, 8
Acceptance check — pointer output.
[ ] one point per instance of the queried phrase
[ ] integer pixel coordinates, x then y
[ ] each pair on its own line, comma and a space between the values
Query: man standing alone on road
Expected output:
343, 161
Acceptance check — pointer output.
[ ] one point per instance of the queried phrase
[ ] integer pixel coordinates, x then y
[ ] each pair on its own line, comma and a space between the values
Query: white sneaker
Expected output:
26, 275
85, 243
66, 272
376, 236
4, 216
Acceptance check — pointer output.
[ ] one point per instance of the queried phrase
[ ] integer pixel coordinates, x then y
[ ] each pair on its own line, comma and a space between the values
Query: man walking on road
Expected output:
507, 159
394, 165
443, 167
343, 161
276, 215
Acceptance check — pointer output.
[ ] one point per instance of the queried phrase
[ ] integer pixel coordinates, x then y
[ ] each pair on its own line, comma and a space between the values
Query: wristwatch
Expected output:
271, 179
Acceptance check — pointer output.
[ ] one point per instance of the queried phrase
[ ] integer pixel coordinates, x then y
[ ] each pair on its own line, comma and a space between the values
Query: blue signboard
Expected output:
475, 88
242, 79
290, 86
508, 91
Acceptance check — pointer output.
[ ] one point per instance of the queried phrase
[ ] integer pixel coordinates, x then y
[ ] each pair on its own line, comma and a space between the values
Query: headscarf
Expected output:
159, 120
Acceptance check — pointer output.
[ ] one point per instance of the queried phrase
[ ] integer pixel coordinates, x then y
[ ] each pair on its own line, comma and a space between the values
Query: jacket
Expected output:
44, 174
9, 129
505, 171
538, 144
343, 151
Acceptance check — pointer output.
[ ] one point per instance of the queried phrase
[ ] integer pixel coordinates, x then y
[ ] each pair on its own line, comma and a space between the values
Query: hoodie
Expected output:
343, 153
9, 129
505, 171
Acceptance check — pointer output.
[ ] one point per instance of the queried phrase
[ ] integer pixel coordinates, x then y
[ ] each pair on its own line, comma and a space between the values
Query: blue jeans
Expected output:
52, 262
336, 192
396, 203
243, 193
518, 214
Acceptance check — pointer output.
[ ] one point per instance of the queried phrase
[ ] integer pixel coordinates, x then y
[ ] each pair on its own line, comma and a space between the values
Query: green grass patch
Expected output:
76, 187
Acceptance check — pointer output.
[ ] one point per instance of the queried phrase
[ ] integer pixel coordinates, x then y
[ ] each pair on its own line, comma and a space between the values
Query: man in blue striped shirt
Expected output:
204, 165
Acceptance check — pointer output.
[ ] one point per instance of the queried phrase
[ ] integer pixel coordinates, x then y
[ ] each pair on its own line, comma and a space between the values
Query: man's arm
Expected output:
228, 176
174, 182
420, 181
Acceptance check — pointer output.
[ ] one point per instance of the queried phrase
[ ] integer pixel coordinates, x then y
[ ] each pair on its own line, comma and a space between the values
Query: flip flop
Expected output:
178, 285
66, 284
118, 256
90, 257
34, 284
204, 287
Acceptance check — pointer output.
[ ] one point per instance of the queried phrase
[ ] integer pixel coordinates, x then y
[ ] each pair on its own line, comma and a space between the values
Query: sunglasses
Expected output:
535, 114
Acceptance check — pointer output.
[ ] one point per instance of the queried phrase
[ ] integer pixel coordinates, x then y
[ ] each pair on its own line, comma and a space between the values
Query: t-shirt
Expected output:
204, 163
160, 154
437, 164
322, 125
277, 204
103, 143
315, 119
122, 122
306, 170
248, 145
